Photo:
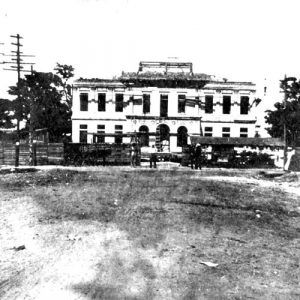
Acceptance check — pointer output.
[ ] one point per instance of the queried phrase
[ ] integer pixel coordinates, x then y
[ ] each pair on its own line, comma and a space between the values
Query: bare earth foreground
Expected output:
121, 233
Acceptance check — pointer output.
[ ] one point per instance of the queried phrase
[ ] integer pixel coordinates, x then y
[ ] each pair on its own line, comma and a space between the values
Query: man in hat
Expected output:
198, 156
192, 156
153, 157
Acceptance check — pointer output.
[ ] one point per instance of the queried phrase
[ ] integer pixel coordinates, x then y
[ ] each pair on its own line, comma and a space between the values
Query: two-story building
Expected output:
165, 102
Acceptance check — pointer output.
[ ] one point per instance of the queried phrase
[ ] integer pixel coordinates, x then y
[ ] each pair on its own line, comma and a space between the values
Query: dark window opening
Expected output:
226, 104
226, 132
181, 103
209, 104
146, 103
84, 99
243, 132
163, 106
182, 136
101, 130
83, 133
208, 131
144, 136
244, 105
118, 130
101, 102
119, 102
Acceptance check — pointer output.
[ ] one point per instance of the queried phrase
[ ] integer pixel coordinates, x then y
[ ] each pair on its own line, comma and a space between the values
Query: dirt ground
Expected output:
171, 233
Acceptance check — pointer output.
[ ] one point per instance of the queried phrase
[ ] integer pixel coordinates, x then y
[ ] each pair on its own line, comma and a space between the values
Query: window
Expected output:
101, 130
101, 101
181, 103
84, 99
144, 136
243, 132
119, 102
118, 130
244, 105
83, 133
226, 104
226, 132
146, 103
163, 105
182, 136
209, 104
208, 131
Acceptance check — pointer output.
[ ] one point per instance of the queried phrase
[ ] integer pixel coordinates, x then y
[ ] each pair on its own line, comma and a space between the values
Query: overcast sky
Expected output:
237, 39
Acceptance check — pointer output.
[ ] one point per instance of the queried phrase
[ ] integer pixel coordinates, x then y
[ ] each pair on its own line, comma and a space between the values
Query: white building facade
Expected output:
163, 107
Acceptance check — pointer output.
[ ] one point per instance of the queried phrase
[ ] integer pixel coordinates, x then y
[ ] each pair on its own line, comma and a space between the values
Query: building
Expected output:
165, 103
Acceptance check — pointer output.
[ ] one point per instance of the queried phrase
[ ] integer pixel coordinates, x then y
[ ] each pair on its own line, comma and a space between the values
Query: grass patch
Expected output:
251, 231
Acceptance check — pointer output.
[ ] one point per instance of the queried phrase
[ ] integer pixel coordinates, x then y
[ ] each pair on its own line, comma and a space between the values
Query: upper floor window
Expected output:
84, 100
181, 103
164, 106
146, 103
208, 131
226, 132
226, 104
244, 105
101, 101
209, 104
119, 102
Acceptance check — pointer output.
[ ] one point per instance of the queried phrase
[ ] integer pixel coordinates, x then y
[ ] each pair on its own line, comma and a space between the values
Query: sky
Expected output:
246, 40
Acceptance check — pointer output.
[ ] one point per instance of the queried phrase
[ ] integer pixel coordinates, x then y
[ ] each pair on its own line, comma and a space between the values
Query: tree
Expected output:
41, 104
5, 113
65, 72
287, 112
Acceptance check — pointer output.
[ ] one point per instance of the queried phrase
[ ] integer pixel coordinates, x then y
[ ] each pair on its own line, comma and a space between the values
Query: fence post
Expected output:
34, 153
17, 153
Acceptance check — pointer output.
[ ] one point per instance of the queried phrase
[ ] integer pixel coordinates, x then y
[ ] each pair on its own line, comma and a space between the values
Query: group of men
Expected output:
196, 156
134, 153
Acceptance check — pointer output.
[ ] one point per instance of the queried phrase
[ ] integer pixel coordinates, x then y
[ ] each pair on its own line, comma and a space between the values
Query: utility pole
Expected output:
16, 64
284, 128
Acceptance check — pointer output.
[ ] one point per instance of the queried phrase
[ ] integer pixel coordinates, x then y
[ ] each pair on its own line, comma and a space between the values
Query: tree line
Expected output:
286, 113
43, 100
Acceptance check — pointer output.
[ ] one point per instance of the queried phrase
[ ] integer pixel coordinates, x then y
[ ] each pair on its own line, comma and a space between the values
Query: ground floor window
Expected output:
208, 131
243, 132
226, 132
118, 132
83, 133
144, 136
182, 135
100, 130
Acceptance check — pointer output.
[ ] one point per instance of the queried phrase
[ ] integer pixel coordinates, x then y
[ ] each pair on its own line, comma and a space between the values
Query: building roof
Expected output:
98, 83
165, 75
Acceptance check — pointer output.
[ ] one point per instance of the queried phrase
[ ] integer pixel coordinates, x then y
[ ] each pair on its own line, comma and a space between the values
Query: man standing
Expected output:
198, 156
192, 156
153, 157
133, 154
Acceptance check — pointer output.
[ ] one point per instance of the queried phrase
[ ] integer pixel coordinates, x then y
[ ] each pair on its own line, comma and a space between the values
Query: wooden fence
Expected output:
70, 154
46, 153
98, 154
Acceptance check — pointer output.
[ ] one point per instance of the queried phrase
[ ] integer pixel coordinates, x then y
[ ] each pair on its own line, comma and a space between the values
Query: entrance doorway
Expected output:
162, 141
144, 131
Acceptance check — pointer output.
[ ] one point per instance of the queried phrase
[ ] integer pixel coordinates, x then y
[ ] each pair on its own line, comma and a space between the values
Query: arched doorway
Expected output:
182, 135
162, 137
144, 136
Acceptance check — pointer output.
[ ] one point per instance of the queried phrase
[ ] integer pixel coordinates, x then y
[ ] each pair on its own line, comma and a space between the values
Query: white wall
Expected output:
132, 116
